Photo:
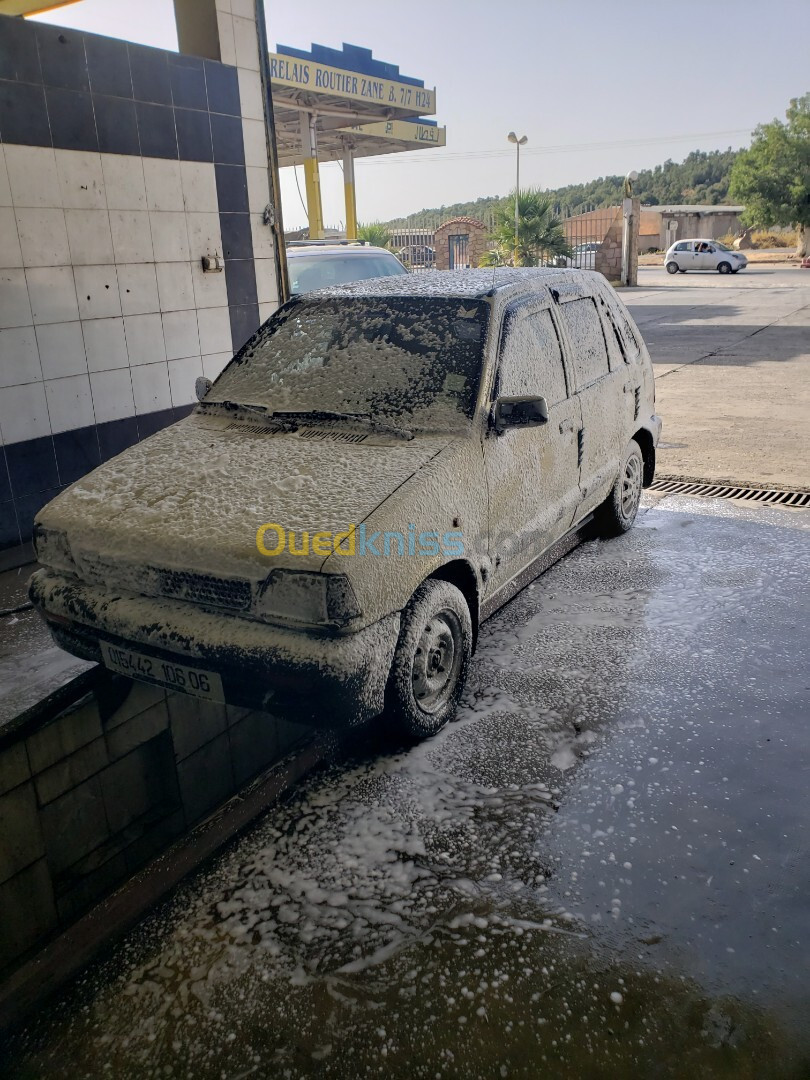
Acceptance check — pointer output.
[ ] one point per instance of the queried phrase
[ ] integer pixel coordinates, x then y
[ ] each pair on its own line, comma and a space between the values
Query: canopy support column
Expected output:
312, 176
349, 192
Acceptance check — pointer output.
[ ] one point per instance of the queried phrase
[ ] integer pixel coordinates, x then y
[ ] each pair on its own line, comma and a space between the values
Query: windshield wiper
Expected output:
234, 405
357, 418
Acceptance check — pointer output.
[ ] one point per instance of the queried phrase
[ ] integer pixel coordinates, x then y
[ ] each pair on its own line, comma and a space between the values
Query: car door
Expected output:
600, 392
705, 256
532, 472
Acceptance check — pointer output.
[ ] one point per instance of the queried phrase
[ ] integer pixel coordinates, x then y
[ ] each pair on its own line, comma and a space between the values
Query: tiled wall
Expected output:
121, 166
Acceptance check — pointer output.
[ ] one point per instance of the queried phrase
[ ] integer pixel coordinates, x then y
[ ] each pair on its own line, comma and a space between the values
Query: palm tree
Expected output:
374, 233
539, 232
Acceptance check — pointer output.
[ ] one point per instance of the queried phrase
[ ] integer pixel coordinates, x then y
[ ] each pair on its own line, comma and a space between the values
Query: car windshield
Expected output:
721, 247
408, 362
319, 271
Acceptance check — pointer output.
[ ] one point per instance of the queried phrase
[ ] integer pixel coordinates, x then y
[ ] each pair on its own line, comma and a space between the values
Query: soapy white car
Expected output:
380, 468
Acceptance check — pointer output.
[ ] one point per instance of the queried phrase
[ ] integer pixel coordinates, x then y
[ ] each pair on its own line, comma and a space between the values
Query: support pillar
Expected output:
312, 176
631, 216
349, 192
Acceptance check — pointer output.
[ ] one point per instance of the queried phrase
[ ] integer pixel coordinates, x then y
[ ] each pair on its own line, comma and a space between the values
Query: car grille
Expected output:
204, 589
234, 594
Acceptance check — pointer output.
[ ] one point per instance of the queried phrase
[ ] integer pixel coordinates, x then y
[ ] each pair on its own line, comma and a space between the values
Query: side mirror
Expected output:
201, 386
513, 412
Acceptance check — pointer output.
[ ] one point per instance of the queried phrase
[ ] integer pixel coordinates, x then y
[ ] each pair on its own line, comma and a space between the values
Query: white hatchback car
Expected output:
380, 467
703, 255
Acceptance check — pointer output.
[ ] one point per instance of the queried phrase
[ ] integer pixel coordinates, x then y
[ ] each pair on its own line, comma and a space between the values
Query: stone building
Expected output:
460, 243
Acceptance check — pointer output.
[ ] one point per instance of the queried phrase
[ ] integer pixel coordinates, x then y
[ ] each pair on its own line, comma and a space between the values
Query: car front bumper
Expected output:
327, 680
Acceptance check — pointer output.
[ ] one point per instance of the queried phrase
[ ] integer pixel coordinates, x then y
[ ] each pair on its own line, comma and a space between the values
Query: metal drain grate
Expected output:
771, 496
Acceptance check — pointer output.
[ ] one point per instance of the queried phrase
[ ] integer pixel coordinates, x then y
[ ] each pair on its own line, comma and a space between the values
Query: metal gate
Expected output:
459, 256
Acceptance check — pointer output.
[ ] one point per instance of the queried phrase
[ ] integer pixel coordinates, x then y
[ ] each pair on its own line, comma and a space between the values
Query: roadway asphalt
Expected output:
600, 870
732, 366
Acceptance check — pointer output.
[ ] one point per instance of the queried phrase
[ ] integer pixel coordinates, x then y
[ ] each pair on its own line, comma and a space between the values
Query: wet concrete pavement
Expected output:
600, 870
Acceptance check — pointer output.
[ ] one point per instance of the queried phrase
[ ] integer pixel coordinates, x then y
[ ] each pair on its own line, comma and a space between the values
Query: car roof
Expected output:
467, 284
332, 249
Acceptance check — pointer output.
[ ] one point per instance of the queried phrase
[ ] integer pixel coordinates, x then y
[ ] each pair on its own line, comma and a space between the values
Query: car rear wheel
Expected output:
724, 268
618, 512
672, 268
431, 660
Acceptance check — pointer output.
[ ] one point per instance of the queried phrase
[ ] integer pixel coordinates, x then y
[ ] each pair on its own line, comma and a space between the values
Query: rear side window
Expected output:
683, 246
588, 350
531, 361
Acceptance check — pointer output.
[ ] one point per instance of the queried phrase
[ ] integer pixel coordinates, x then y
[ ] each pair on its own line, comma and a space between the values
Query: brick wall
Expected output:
90, 796
477, 240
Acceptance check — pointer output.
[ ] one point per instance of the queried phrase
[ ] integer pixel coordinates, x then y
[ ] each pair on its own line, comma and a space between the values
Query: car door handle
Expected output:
566, 426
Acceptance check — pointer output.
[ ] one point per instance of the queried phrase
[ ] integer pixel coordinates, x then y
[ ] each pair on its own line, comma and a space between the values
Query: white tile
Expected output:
262, 237
265, 311
214, 363
223, 5
61, 350
182, 376
90, 237
250, 94
258, 185
245, 42
255, 143
32, 175
10, 251
97, 291
112, 395
150, 387
81, 181
131, 236
5, 186
210, 290
266, 286
199, 186
52, 292
164, 189
215, 329
174, 286
24, 413
204, 236
19, 356
169, 237
43, 237
144, 339
137, 286
227, 46
245, 8
15, 308
123, 182
180, 334
70, 403
105, 344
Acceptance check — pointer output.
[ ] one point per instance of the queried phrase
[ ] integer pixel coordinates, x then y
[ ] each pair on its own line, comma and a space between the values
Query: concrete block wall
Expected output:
90, 796
121, 166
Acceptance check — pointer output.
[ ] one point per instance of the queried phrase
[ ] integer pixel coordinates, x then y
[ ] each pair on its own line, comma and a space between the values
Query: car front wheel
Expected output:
672, 268
431, 660
618, 512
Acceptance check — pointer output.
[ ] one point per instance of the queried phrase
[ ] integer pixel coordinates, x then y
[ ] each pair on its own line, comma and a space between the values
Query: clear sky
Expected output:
598, 86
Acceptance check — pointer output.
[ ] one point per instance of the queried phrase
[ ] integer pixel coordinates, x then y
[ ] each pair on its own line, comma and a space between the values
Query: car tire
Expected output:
681, 269
672, 268
724, 268
618, 512
430, 663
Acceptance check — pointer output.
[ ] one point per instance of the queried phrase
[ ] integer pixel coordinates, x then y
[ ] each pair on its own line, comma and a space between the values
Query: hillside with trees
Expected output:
702, 177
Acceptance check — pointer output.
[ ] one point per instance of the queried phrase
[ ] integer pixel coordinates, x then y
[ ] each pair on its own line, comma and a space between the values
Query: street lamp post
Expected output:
512, 137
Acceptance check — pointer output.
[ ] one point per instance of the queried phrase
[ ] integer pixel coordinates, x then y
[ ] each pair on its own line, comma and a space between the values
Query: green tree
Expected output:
772, 177
374, 232
539, 231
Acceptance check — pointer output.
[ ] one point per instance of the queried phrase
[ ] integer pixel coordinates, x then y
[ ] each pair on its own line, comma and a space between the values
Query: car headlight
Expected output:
307, 598
52, 548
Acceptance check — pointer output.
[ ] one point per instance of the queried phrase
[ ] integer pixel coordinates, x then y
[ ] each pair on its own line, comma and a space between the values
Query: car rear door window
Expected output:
588, 349
531, 360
